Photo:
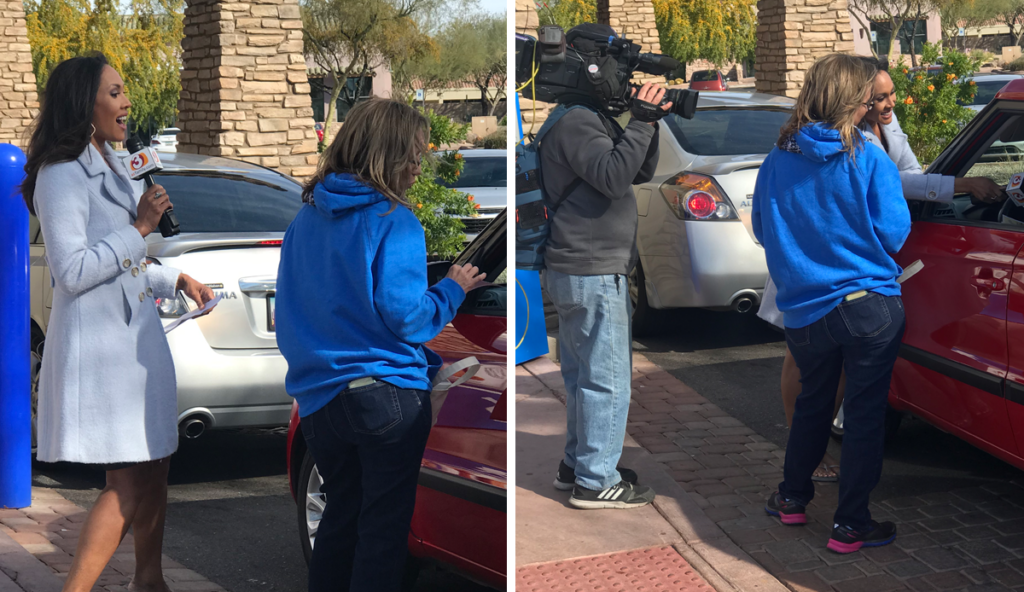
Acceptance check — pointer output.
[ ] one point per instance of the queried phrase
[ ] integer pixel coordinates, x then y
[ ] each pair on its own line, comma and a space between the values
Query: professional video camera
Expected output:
591, 65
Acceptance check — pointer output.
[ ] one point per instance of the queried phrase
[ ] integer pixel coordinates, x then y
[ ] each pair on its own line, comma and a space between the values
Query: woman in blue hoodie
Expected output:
829, 210
353, 312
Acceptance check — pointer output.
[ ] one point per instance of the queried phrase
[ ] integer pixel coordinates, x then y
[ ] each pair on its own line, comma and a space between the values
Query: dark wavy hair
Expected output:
63, 128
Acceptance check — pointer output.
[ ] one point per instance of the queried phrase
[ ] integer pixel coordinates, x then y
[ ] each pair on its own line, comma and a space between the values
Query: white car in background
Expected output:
695, 239
166, 140
233, 216
484, 176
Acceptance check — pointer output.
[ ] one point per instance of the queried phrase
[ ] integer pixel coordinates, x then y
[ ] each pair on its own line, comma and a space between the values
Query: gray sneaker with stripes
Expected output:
620, 496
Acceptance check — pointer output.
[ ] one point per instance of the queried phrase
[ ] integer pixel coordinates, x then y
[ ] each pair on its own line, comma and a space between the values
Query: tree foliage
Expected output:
718, 31
928, 106
893, 12
350, 38
145, 48
440, 209
954, 14
470, 50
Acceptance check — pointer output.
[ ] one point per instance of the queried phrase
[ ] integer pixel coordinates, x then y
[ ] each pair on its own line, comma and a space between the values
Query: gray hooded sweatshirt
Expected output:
593, 228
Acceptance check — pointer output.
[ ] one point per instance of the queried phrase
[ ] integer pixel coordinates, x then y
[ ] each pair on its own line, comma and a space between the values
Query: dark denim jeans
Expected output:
367, 444
863, 336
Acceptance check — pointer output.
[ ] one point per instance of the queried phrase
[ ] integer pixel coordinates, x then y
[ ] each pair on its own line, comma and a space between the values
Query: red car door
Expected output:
1014, 389
955, 357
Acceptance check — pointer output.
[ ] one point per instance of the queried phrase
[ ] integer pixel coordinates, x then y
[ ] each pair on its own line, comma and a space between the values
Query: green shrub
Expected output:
928, 105
498, 139
439, 209
1015, 66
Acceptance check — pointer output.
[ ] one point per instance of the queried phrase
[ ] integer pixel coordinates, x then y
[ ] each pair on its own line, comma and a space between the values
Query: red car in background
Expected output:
708, 80
460, 516
961, 365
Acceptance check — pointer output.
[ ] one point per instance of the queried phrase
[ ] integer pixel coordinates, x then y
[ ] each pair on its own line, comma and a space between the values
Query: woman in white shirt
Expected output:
880, 128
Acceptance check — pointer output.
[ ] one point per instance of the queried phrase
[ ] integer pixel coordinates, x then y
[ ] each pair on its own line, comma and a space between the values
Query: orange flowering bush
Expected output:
438, 206
929, 105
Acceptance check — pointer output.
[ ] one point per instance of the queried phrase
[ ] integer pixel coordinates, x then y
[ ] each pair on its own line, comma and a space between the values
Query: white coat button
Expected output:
143, 266
127, 263
135, 272
149, 291
142, 296
932, 195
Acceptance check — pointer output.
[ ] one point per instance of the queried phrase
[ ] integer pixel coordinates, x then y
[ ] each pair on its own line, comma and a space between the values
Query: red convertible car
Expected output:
961, 365
460, 516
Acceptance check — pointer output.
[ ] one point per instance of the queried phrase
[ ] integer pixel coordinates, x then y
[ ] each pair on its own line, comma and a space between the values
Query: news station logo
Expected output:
138, 162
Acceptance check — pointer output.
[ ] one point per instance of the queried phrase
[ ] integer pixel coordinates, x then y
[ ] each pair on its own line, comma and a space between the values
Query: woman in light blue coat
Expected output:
107, 393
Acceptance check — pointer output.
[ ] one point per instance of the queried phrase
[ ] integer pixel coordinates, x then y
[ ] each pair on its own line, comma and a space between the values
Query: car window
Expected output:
34, 236
481, 172
211, 201
987, 91
704, 76
998, 157
722, 132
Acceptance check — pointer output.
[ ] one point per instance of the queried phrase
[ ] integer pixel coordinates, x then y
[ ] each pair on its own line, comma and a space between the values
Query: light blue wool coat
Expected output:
107, 391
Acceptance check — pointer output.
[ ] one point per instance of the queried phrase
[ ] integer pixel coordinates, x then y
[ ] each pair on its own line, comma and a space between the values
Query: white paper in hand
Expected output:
909, 272
191, 315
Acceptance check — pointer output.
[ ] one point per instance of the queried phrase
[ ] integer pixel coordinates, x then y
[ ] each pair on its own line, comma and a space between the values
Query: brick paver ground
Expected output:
659, 569
966, 540
49, 530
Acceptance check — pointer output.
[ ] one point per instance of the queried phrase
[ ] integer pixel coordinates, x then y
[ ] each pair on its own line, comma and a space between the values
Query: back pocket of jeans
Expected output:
866, 316
798, 337
372, 409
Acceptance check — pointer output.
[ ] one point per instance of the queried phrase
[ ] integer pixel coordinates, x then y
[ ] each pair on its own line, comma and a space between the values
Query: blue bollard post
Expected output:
15, 385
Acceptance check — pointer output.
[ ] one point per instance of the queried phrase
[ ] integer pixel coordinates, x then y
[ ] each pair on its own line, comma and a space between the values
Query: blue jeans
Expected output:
367, 444
863, 336
595, 338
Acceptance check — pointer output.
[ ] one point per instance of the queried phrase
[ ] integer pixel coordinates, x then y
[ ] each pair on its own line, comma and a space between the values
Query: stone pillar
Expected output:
791, 35
18, 101
634, 20
526, 18
244, 91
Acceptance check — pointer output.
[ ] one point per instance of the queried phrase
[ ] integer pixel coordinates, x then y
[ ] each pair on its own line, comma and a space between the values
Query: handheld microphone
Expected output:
140, 163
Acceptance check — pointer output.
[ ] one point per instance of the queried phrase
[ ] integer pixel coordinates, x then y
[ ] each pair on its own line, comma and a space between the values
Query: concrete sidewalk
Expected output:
670, 545
712, 475
37, 545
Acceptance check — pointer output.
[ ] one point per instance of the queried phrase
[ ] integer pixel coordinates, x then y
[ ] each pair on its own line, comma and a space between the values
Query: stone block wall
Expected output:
792, 34
18, 101
244, 89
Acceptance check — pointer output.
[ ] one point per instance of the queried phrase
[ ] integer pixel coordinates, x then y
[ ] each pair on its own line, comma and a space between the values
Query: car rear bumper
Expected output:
230, 388
712, 264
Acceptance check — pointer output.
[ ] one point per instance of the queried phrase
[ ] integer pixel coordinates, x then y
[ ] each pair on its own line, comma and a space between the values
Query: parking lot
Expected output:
230, 516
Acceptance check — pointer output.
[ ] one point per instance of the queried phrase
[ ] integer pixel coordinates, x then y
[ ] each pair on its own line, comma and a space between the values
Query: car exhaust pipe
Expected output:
192, 428
745, 301
743, 304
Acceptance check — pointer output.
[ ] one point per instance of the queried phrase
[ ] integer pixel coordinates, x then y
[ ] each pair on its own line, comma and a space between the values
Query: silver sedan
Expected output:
697, 247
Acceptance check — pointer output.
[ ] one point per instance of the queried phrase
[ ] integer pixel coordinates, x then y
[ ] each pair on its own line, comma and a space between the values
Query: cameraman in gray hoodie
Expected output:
589, 165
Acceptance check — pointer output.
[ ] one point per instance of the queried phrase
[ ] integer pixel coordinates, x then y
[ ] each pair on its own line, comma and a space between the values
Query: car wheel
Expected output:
36, 360
311, 505
644, 316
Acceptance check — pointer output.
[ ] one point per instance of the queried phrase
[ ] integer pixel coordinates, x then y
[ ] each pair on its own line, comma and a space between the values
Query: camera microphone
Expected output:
140, 164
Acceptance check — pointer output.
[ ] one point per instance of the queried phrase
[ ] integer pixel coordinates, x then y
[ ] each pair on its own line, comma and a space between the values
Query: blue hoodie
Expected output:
352, 296
828, 224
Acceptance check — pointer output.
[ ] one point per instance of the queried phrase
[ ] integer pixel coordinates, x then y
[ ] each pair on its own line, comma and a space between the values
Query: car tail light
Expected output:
697, 197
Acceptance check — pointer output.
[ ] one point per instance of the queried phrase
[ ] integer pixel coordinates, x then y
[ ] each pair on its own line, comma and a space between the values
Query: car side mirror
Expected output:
437, 270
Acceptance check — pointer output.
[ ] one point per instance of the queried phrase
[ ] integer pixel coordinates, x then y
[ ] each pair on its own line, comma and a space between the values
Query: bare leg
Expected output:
148, 528
791, 390
105, 527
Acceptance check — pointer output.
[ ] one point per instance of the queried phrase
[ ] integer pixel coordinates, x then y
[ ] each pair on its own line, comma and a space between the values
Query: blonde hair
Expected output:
378, 143
833, 90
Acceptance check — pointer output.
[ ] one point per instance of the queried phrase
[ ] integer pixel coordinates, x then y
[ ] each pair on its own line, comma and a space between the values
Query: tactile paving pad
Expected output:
643, 570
